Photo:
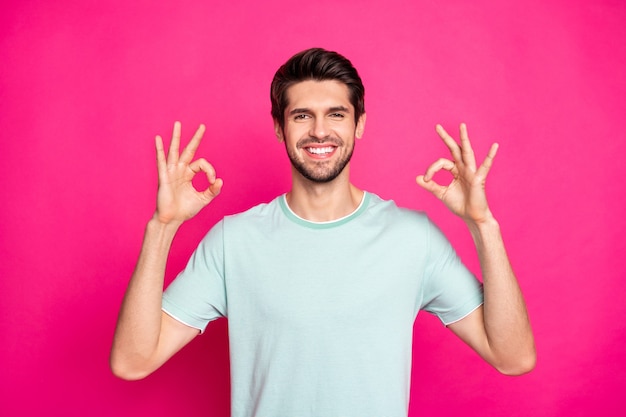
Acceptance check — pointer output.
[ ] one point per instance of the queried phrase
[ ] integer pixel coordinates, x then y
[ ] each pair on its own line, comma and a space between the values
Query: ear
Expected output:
278, 131
360, 126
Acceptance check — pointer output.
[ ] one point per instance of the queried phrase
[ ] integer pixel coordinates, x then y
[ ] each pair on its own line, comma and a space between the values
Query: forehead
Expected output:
312, 94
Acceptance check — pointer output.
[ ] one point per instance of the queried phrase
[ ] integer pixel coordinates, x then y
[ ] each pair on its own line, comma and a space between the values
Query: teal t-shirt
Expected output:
320, 315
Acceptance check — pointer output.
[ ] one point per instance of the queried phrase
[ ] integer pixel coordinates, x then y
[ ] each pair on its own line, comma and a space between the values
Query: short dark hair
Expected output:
319, 65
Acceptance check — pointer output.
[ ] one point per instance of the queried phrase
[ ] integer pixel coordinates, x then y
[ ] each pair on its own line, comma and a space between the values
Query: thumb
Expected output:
430, 185
214, 189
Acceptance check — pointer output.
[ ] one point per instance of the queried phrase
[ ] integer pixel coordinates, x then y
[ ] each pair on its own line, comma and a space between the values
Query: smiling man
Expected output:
321, 286
319, 129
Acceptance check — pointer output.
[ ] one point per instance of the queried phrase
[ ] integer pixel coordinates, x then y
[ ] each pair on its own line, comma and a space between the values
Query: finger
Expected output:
190, 150
172, 155
441, 163
466, 147
202, 165
484, 168
215, 184
160, 154
455, 150
214, 189
431, 186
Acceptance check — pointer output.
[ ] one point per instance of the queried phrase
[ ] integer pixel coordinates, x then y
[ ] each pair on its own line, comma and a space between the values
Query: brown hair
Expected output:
319, 65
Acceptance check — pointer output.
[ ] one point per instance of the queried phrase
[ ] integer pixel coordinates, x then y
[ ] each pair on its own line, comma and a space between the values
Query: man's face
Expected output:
319, 129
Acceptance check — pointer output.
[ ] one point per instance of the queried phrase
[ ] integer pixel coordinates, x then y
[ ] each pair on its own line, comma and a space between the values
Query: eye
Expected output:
301, 116
337, 115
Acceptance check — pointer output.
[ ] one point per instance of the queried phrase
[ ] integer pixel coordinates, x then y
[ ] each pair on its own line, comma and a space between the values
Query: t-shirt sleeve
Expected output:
198, 295
451, 291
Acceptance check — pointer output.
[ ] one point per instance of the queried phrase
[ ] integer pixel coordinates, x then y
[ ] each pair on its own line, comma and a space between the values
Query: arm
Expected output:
499, 331
145, 337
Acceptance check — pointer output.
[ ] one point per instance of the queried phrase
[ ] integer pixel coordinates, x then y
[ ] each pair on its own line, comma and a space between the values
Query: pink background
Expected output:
85, 86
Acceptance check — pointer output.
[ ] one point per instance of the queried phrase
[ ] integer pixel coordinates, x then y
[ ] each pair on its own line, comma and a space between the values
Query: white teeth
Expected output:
320, 151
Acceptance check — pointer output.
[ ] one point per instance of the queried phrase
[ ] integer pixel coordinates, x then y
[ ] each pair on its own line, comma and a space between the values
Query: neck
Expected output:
323, 202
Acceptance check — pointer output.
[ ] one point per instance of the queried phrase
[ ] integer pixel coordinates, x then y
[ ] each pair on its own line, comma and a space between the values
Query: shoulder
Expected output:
241, 220
255, 212
260, 218
388, 210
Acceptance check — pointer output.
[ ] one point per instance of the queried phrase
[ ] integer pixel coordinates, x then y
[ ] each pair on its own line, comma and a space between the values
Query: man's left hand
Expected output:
465, 195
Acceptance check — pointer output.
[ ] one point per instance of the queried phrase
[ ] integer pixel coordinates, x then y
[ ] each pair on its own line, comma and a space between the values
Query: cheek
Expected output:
348, 132
295, 132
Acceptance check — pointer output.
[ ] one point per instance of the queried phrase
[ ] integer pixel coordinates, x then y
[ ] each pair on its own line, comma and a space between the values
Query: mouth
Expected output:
320, 151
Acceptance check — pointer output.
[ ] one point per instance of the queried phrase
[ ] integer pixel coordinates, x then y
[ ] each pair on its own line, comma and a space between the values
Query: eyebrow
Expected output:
330, 110
339, 108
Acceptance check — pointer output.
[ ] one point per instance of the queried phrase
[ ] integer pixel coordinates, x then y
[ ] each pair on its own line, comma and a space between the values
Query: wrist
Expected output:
484, 229
158, 224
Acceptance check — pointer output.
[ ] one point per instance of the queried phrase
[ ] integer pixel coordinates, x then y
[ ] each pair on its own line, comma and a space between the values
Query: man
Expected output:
322, 285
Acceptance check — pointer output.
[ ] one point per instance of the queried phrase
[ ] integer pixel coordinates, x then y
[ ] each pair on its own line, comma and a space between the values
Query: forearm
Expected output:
139, 323
506, 322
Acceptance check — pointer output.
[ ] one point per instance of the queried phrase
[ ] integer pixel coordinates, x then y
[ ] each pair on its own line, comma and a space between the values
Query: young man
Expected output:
322, 285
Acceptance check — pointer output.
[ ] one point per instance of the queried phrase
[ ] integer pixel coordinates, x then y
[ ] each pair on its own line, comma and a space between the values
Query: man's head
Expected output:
318, 65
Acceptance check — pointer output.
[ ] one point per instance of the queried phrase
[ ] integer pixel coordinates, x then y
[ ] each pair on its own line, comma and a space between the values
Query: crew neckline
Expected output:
291, 215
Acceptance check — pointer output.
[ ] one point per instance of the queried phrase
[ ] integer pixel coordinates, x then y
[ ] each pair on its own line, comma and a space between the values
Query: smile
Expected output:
321, 151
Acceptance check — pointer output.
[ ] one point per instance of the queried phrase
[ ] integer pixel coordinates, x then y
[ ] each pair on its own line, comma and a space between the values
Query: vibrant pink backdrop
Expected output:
85, 86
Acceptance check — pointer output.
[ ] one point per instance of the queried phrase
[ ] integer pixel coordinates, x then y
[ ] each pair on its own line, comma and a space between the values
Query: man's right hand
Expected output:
177, 198
145, 336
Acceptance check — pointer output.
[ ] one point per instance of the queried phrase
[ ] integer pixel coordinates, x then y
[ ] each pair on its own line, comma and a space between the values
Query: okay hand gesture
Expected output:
465, 195
177, 199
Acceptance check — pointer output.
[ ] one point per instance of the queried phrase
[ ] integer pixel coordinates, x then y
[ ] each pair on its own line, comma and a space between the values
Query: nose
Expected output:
319, 128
